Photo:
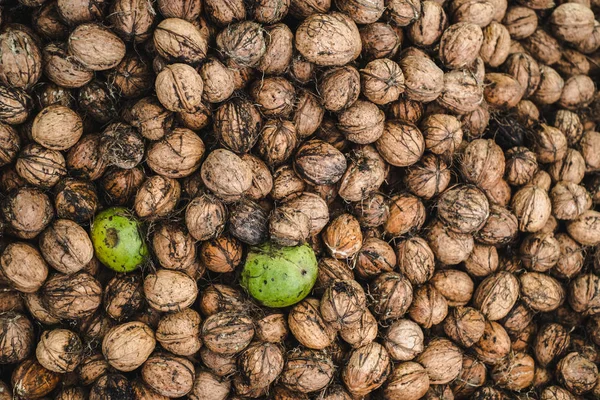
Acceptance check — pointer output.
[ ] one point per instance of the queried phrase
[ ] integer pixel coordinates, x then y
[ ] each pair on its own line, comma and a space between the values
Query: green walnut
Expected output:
118, 240
279, 276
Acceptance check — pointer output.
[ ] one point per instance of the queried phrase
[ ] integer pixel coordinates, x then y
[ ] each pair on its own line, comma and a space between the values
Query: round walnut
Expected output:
550, 87
382, 81
462, 93
328, 39
21, 63
496, 44
217, 172
375, 257
532, 207
66, 246
218, 298
429, 307
205, 217
454, 285
288, 226
27, 211
62, 69
494, 344
168, 375
48, 23
339, 88
96, 47
173, 246
308, 114
331, 270
541, 292
227, 333
403, 340
415, 260
551, 341
408, 380
178, 40
442, 132
472, 377
478, 12
272, 328
570, 124
570, 261
132, 20
464, 325
392, 295
168, 290
121, 146
502, 90
520, 22
209, 386
248, 222
260, 364
429, 177
406, 214
343, 237
121, 185
72, 296
460, 45
177, 155
403, 12
442, 361
150, 118
569, 200
30, 379
583, 296
308, 326
127, 346
402, 144
364, 175
319, 163
59, 350
496, 295
427, 30
463, 209
243, 42
589, 145
482, 163
515, 372
274, 96
362, 123
525, 70
313, 206
584, 229
539, 251
15, 105
380, 40
362, 332
220, 365
218, 81
23, 267
448, 246
279, 51
572, 22
157, 197
276, 142
40, 166
483, 261
521, 166
18, 337
133, 76
307, 371
367, 369
577, 373
179, 88
343, 303
424, 81
76, 200
578, 92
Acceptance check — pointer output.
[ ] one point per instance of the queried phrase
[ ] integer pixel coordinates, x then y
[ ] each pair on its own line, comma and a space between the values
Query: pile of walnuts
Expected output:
441, 157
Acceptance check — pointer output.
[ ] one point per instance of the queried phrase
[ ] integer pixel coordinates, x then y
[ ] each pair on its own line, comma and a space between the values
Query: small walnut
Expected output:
428, 29
429, 307
496, 295
40, 166
227, 332
59, 350
515, 372
460, 45
543, 47
382, 81
521, 22
237, 124
127, 346
442, 361
403, 12
73, 296
578, 92
243, 42
483, 163
27, 211
179, 88
541, 292
168, 290
21, 63
494, 344
31, 379
449, 247
577, 373
96, 47
66, 246
424, 81
362, 123
392, 295
569, 200
339, 88
307, 371
584, 229
550, 87
380, 40
408, 380
463, 209
343, 42
157, 197
132, 20
178, 40
226, 174
465, 325
532, 207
